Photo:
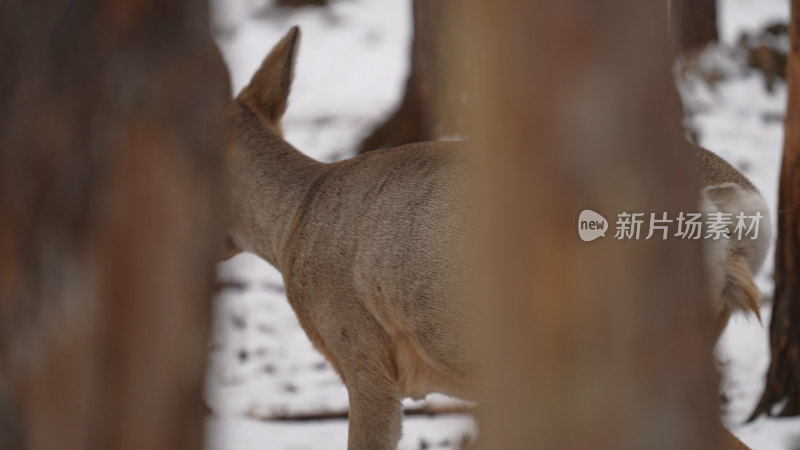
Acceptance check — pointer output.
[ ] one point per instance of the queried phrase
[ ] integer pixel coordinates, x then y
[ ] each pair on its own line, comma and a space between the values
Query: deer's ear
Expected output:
268, 91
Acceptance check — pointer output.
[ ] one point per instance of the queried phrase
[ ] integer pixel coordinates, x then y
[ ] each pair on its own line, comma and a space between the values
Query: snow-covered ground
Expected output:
350, 73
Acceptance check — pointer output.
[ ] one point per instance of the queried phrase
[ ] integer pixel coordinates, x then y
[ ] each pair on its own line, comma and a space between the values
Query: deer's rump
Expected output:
375, 252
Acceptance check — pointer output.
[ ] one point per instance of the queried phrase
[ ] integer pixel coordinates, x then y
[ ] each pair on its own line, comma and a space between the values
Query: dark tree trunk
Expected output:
111, 116
783, 376
418, 117
602, 345
695, 22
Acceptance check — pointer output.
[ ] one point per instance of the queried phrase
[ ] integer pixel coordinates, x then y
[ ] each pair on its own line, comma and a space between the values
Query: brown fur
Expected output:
366, 248
713, 170
740, 292
365, 259
733, 262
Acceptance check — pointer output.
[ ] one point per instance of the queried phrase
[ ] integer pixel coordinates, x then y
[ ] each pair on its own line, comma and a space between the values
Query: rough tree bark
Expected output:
111, 115
608, 344
417, 118
783, 376
696, 23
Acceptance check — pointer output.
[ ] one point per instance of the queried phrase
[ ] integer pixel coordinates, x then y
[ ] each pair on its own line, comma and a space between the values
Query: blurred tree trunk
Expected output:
111, 119
602, 345
417, 117
696, 23
783, 376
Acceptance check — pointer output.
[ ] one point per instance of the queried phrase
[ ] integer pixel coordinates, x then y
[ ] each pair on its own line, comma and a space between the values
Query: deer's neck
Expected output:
269, 180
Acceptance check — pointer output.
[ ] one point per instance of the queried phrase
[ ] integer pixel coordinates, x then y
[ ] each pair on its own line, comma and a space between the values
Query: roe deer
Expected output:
366, 246
732, 263
363, 247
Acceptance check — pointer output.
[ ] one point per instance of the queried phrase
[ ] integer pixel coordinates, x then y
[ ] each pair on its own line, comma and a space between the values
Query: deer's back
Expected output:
376, 243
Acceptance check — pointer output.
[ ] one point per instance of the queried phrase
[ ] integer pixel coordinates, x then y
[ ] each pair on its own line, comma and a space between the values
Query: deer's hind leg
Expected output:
375, 412
365, 356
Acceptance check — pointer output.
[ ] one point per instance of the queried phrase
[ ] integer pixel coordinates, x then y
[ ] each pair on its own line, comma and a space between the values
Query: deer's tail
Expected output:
740, 291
